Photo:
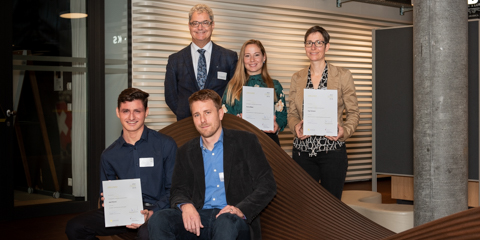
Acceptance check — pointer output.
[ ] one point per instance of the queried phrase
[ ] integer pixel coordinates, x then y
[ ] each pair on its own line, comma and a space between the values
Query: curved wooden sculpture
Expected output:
463, 225
302, 209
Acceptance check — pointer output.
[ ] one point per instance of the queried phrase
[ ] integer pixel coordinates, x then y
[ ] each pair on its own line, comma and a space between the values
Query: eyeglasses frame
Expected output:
316, 43
205, 23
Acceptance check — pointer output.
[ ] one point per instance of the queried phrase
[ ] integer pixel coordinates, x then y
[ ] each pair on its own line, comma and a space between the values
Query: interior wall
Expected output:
394, 109
159, 28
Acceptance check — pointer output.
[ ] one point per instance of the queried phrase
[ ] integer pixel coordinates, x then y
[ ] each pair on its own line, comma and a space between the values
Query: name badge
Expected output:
222, 75
221, 176
146, 162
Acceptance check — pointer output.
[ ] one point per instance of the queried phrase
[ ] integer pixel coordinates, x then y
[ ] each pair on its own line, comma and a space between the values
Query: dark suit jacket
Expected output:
180, 79
249, 182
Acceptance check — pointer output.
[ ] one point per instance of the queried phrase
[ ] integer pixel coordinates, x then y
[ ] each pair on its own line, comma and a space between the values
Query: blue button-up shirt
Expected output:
214, 178
122, 160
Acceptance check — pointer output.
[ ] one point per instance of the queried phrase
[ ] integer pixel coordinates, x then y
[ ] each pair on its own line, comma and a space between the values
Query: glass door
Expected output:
116, 63
49, 95
52, 106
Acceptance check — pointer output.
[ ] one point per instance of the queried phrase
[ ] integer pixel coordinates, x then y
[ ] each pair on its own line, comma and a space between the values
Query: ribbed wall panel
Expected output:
159, 28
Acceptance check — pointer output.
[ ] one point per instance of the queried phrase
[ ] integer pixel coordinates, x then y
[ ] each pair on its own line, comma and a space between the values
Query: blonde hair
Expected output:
240, 78
200, 8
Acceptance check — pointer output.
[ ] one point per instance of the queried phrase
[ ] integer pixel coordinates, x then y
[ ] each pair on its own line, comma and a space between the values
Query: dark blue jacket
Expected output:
180, 80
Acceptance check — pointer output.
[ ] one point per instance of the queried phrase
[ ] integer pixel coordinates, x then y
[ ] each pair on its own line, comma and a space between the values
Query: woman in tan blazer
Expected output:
323, 157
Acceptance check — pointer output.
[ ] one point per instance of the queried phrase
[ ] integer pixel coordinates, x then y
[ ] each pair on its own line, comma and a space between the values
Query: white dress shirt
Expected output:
195, 55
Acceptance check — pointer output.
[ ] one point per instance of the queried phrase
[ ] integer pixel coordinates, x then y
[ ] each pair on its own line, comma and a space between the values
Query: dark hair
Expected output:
131, 94
204, 95
321, 30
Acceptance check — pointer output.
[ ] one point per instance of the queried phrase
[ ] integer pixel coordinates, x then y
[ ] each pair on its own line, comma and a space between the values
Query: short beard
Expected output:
212, 133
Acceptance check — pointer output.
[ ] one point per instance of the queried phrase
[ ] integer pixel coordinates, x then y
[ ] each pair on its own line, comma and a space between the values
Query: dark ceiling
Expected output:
390, 3
38, 27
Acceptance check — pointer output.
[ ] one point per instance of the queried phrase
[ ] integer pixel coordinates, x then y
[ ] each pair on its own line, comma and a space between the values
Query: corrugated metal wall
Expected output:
160, 29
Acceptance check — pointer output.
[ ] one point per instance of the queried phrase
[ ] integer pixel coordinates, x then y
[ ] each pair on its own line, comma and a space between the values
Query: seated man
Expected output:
221, 181
130, 156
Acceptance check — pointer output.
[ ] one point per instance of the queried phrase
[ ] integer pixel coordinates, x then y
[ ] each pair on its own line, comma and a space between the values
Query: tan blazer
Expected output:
338, 78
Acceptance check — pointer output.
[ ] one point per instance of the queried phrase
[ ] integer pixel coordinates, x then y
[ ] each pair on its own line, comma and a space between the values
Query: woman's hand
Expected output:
299, 131
339, 134
275, 125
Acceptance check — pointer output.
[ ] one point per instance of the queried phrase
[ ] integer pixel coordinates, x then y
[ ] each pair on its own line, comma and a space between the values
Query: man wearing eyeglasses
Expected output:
201, 65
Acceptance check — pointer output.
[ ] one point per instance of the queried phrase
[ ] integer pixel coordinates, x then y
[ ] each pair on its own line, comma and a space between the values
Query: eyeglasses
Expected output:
205, 23
317, 43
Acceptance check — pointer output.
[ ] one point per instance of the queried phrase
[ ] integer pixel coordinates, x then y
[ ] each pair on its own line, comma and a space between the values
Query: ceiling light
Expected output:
73, 15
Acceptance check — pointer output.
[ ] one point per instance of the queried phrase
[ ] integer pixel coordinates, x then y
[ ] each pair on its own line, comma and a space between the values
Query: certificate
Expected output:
257, 107
320, 112
123, 202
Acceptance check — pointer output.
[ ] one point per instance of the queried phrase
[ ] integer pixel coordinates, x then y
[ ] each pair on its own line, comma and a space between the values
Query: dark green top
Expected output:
257, 81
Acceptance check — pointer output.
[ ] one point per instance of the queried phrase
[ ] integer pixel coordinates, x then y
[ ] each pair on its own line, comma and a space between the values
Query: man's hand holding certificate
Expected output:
320, 112
257, 107
123, 202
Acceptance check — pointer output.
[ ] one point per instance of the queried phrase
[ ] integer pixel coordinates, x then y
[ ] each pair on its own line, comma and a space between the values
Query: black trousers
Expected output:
92, 223
330, 168
274, 137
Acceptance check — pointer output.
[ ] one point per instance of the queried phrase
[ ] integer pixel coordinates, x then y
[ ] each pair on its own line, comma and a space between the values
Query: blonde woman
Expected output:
252, 71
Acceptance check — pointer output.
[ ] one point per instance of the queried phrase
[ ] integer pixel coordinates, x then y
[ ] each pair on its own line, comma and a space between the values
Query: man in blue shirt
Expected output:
221, 181
138, 153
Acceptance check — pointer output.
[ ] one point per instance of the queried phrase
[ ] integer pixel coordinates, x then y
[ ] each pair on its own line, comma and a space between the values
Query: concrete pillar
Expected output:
440, 85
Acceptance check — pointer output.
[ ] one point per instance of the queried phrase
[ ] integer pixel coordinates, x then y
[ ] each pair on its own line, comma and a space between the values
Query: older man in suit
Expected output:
202, 64
220, 184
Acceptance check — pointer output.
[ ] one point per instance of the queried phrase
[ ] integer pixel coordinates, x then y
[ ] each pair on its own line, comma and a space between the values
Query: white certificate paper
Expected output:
123, 202
257, 107
320, 112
